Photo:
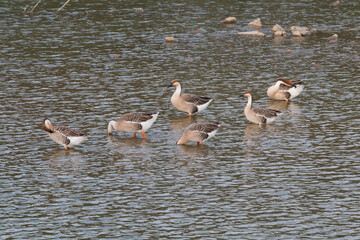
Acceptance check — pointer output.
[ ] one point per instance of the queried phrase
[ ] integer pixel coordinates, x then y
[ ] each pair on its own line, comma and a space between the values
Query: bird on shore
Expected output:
285, 89
199, 132
64, 136
186, 102
133, 123
259, 115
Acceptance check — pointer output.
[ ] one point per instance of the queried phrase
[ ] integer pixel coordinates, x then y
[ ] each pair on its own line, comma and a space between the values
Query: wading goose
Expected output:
285, 89
133, 123
189, 103
199, 132
259, 115
65, 136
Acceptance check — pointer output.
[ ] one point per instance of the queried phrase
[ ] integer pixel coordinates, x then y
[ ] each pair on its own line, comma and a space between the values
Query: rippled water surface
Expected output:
297, 178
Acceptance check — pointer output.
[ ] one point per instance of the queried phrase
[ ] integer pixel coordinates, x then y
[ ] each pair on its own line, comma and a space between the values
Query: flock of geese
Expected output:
199, 132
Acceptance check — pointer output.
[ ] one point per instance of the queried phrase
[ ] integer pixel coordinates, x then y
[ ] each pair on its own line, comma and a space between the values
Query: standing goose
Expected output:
133, 123
65, 136
186, 102
285, 89
259, 115
199, 132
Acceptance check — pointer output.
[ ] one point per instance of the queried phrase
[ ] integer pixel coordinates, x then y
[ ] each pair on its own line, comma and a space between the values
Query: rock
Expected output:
229, 20
313, 30
335, 4
252, 33
297, 31
197, 30
256, 24
170, 39
333, 37
278, 31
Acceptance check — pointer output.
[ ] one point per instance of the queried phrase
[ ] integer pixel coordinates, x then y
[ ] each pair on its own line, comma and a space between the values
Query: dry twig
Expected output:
35, 6
59, 9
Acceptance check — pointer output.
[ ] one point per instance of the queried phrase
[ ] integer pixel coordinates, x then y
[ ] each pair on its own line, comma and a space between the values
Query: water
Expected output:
96, 60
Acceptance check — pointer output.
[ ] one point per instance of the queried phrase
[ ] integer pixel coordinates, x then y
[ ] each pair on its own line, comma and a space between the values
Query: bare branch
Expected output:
35, 6
63, 6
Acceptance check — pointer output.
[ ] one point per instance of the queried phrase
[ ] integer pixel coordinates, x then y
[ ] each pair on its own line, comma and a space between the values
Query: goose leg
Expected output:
134, 134
189, 115
143, 133
66, 148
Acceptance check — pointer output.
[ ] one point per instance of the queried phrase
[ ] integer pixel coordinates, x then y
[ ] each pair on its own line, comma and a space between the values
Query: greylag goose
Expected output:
199, 132
285, 89
64, 136
259, 115
186, 102
133, 123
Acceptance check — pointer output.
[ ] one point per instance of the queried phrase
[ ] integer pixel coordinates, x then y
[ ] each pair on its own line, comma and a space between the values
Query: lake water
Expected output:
297, 178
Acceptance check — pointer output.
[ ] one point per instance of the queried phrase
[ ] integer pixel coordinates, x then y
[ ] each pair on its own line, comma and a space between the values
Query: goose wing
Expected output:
194, 99
287, 84
266, 113
137, 117
203, 130
69, 132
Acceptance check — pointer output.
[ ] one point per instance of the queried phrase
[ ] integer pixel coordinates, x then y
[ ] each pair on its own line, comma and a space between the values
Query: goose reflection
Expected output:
193, 153
179, 124
283, 106
65, 159
128, 146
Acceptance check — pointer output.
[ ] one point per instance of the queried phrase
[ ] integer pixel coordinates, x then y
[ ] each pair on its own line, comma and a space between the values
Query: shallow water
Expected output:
94, 61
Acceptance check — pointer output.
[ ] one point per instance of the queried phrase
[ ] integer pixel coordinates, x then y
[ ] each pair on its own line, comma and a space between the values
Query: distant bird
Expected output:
199, 132
189, 103
64, 136
133, 123
259, 115
285, 89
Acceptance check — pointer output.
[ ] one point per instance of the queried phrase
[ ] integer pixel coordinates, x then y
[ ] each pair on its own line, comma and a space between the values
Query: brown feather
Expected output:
194, 99
137, 117
267, 113
69, 132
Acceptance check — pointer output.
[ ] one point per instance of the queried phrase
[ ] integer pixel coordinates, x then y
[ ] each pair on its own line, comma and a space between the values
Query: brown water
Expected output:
295, 179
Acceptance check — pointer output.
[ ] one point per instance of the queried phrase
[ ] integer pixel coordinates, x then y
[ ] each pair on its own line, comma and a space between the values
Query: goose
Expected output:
64, 136
199, 132
285, 89
133, 123
259, 115
186, 102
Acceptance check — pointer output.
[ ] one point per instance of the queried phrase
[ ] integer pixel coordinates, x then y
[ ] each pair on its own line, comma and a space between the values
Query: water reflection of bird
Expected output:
65, 159
179, 124
192, 153
252, 131
278, 105
128, 146
290, 107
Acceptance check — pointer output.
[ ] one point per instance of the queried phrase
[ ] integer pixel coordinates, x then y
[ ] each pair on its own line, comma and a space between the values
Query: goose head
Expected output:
247, 94
47, 125
174, 83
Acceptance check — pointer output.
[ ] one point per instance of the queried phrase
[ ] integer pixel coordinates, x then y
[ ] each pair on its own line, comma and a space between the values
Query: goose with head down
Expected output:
133, 123
186, 102
64, 136
199, 132
285, 89
259, 115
